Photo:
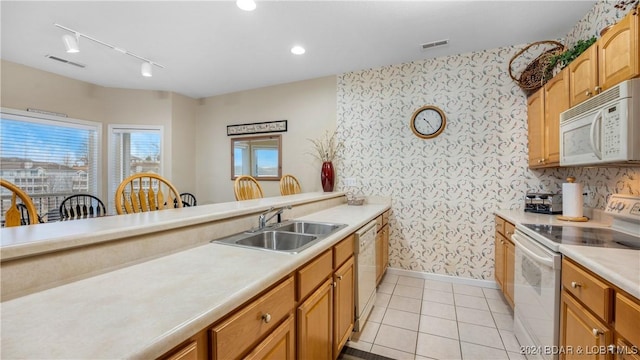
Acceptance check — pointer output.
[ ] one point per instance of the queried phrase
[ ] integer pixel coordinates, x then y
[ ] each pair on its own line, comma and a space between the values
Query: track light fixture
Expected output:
146, 69
71, 44
246, 5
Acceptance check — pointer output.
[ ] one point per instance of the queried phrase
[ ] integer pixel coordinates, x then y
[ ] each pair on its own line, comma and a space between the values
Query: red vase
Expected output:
327, 176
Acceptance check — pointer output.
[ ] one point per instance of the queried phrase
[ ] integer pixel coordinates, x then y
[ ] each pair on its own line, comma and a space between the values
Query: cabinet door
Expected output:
315, 324
556, 100
618, 53
581, 330
379, 265
279, 345
509, 270
343, 305
535, 117
385, 249
583, 76
499, 260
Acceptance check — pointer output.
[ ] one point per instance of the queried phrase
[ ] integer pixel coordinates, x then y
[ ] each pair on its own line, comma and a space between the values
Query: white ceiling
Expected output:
212, 47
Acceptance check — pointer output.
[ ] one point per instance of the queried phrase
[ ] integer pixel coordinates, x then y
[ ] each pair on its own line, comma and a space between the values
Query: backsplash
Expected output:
444, 190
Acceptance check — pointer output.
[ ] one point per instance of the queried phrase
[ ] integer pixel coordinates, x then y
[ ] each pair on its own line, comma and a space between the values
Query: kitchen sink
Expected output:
277, 240
290, 236
306, 227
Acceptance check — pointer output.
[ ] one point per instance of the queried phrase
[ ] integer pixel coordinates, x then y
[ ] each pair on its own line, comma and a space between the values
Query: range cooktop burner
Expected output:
597, 237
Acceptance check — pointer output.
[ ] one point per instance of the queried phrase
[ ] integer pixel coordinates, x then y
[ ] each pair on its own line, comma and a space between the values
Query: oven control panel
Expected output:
625, 206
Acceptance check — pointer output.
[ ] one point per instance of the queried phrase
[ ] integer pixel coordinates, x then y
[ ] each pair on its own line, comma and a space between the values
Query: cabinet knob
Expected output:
335, 284
266, 318
598, 89
597, 332
339, 277
575, 284
587, 93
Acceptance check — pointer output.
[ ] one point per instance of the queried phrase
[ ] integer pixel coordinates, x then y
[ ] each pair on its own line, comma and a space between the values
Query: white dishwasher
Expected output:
365, 250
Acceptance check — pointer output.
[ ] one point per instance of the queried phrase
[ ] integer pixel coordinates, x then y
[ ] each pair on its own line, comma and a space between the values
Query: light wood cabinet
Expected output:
343, 305
186, 352
315, 324
240, 332
611, 60
382, 246
597, 317
581, 330
279, 345
505, 258
543, 114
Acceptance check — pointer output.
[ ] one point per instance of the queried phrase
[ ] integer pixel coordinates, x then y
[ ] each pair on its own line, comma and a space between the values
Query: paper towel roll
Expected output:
572, 199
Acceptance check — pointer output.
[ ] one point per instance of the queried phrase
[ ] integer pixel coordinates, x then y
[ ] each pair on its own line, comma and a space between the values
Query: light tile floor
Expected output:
420, 319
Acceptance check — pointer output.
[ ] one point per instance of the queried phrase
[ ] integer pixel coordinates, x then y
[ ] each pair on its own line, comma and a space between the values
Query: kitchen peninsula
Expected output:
144, 309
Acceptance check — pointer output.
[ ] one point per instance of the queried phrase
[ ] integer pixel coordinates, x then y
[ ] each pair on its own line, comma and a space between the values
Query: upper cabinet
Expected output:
543, 113
611, 60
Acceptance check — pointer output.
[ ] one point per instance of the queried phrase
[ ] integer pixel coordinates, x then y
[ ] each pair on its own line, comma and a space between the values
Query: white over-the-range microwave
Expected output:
604, 130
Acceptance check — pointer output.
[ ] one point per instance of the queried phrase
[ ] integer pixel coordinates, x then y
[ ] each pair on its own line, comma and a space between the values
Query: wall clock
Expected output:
428, 122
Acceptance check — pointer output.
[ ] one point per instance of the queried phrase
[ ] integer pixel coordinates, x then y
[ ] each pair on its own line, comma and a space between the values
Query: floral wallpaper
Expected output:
444, 190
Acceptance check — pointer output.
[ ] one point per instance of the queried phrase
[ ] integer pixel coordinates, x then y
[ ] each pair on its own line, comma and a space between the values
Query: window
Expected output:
256, 156
49, 157
133, 149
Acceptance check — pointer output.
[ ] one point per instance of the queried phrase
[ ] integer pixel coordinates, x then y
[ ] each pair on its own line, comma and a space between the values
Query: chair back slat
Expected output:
81, 206
151, 191
13, 216
246, 187
289, 185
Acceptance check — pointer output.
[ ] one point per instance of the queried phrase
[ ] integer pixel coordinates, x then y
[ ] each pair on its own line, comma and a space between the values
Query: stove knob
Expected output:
620, 206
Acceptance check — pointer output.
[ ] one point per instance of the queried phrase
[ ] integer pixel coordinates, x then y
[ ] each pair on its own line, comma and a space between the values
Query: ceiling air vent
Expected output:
65, 61
434, 44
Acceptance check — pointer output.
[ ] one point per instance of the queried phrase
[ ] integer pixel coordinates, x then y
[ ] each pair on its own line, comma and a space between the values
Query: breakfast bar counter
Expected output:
144, 310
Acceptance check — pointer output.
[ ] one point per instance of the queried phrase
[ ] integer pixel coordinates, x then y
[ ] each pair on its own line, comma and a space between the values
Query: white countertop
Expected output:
144, 310
620, 267
21, 241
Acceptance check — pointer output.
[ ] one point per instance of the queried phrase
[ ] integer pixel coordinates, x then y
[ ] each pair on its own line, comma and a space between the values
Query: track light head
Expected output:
246, 5
71, 43
146, 69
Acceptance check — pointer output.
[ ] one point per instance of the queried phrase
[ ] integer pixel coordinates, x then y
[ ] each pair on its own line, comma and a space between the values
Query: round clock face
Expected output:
428, 122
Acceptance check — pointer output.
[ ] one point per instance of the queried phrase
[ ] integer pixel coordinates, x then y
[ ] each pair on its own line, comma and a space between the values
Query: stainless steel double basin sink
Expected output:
290, 236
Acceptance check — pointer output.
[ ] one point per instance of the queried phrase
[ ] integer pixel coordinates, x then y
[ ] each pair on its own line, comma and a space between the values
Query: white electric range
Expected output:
538, 268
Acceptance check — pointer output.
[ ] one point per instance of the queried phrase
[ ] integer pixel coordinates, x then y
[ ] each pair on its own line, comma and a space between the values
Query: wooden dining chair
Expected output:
289, 185
246, 188
146, 192
81, 206
13, 216
188, 199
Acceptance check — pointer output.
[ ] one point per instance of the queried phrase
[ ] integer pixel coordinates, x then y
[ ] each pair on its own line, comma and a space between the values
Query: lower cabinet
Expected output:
597, 320
279, 345
382, 246
505, 258
315, 324
343, 305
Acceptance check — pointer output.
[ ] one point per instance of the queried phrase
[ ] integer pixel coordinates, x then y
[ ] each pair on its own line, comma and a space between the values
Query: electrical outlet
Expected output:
350, 182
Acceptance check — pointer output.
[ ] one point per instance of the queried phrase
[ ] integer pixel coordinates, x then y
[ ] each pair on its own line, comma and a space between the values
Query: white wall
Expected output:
308, 106
24, 87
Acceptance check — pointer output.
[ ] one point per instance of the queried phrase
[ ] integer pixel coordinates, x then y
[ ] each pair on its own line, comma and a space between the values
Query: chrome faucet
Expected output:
263, 219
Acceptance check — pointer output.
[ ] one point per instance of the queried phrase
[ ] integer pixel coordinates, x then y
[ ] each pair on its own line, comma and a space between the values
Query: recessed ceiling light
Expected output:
298, 50
246, 5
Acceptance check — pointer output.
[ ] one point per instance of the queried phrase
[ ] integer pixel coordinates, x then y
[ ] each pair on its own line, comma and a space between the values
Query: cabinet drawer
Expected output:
234, 336
627, 318
500, 225
385, 218
314, 273
187, 352
593, 293
509, 230
343, 251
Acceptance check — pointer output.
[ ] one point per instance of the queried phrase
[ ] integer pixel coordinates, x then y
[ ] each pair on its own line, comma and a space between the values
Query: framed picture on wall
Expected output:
257, 128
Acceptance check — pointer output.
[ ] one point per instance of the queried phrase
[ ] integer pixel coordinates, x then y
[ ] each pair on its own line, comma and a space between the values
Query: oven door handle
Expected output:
542, 260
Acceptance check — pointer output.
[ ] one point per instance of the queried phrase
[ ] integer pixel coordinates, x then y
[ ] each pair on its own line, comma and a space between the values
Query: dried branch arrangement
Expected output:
327, 147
